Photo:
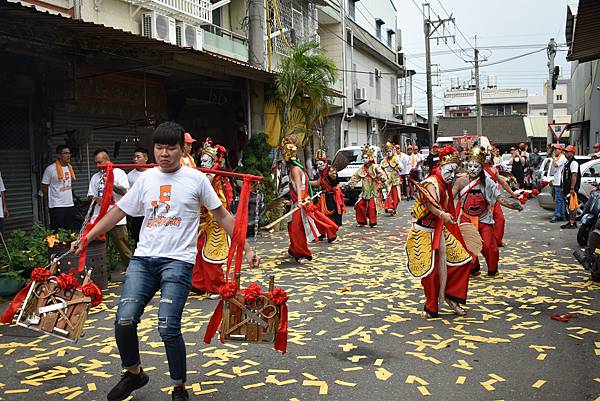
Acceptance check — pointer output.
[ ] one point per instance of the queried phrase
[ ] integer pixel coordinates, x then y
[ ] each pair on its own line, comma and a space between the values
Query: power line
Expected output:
456, 26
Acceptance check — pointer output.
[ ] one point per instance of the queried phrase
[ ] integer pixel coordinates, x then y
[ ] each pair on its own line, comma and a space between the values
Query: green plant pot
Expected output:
10, 283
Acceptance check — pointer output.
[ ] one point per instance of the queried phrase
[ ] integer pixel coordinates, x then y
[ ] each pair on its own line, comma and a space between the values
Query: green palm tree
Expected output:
304, 89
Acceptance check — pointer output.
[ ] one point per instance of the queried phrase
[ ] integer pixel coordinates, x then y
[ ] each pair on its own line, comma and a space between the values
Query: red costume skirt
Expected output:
366, 209
457, 284
499, 224
207, 277
391, 202
298, 243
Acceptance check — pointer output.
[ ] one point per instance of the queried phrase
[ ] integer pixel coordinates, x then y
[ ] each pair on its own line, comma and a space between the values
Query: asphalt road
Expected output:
356, 332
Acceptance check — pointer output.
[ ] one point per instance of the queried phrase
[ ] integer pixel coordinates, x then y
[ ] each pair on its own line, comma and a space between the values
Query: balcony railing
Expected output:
190, 11
227, 43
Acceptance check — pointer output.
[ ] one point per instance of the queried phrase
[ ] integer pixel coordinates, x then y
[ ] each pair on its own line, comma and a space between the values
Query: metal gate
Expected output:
16, 166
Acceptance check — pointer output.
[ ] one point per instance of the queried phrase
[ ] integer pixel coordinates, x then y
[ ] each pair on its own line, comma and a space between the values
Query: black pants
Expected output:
67, 218
2, 226
135, 226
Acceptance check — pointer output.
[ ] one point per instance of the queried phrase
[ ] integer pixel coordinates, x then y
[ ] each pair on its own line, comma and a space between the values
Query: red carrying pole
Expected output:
249, 177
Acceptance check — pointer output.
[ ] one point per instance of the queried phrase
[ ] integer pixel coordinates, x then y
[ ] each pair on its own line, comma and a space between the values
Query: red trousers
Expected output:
392, 199
490, 250
499, 224
206, 276
457, 284
366, 209
298, 244
326, 230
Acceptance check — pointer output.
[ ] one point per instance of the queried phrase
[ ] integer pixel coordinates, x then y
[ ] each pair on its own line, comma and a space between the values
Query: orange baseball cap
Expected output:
558, 146
188, 138
571, 149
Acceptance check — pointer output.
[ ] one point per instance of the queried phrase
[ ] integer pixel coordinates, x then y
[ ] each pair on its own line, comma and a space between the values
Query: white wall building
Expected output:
364, 45
538, 104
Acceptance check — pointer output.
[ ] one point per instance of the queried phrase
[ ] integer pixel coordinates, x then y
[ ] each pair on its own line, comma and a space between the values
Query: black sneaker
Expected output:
180, 394
569, 226
129, 382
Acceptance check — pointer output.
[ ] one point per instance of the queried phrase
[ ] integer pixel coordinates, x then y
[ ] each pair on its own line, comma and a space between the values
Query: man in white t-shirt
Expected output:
140, 156
56, 187
4, 208
560, 207
405, 161
117, 235
571, 182
170, 197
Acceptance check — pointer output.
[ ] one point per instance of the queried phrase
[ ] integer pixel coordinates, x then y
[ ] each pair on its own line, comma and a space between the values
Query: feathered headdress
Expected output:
448, 154
389, 146
217, 152
367, 151
289, 148
477, 154
320, 154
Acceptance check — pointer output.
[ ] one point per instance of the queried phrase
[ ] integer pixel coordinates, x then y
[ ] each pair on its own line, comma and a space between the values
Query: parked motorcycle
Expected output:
589, 257
591, 212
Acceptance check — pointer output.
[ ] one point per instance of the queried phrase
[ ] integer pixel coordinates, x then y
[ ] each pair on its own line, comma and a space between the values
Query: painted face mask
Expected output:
390, 153
474, 169
448, 172
366, 159
206, 161
320, 165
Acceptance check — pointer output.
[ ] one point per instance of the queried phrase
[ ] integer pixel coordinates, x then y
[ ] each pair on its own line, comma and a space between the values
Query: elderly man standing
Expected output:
4, 208
560, 208
118, 234
56, 187
571, 180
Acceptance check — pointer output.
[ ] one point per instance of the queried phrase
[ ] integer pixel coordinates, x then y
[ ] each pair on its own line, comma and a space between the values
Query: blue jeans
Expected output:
145, 276
560, 206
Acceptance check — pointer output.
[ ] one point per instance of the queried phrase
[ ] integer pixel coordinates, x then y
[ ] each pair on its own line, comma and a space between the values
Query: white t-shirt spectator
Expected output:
96, 188
559, 165
133, 176
2, 189
59, 191
415, 158
170, 204
405, 160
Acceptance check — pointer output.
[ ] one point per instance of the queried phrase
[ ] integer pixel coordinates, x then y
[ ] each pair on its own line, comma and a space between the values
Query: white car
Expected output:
590, 172
354, 155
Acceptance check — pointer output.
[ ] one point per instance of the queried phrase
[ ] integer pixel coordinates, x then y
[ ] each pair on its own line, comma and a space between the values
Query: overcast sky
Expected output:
496, 23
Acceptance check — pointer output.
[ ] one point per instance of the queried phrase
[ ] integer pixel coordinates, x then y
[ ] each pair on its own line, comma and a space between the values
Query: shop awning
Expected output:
25, 29
585, 41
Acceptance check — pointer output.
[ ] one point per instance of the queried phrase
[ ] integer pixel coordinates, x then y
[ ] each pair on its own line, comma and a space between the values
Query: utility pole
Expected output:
551, 51
430, 28
477, 90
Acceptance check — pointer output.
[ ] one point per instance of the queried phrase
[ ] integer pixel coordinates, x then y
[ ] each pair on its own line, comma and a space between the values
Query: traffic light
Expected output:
555, 75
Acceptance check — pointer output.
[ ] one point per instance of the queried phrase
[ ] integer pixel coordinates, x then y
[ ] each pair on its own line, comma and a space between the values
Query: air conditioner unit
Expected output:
188, 36
378, 73
158, 26
397, 110
373, 125
360, 94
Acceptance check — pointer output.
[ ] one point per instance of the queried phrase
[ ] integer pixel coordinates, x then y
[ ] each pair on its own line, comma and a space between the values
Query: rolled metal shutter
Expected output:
16, 167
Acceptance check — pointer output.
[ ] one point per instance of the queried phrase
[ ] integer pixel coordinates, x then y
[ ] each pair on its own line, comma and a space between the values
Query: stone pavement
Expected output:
355, 331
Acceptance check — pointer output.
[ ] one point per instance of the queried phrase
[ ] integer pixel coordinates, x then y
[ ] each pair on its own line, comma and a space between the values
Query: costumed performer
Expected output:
435, 247
477, 197
393, 169
331, 202
213, 241
373, 179
306, 220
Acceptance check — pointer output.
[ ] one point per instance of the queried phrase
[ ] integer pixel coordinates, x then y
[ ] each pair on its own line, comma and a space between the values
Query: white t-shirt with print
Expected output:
170, 204
559, 165
133, 175
59, 191
96, 188
2, 189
